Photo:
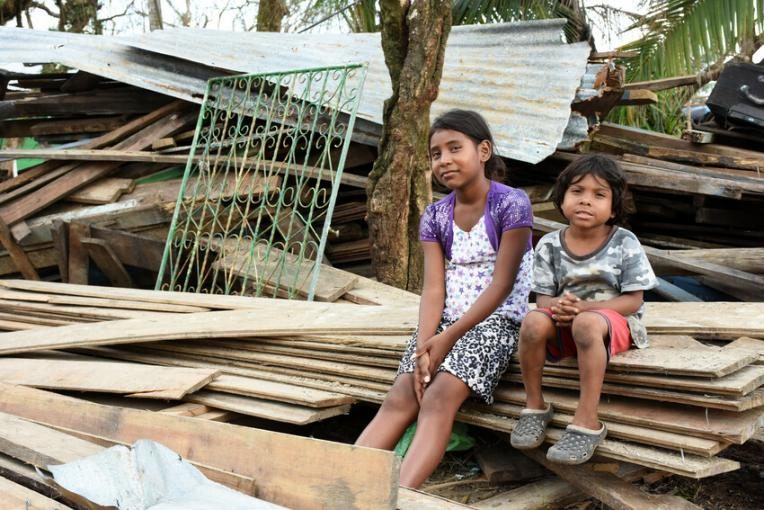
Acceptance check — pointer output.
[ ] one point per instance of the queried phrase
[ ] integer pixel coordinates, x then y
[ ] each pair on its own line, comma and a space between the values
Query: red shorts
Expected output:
617, 340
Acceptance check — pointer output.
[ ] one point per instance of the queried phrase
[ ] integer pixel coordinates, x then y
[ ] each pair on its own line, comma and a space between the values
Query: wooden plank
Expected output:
284, 270
142, 381
79, 260
41, 127
750, 260
739, 383
270, 390
368, 291
60, 234
300, 473
103, 191
39, 445
709, 423
270, 319
727, 403
691, 466
129, 156
107, 261
637, 97
213, 301
411, 499
665, 360
542, 495
15, 496
633, 434
103, 302
609, 489
267, 409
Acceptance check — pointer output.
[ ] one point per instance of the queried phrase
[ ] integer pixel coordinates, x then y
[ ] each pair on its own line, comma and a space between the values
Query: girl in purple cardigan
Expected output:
477, 277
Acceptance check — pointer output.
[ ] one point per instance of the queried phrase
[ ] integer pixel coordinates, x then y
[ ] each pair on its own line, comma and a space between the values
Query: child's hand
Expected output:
566, 309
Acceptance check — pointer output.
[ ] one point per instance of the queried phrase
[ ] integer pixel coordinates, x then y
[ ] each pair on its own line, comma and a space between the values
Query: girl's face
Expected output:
456, 160
588, 202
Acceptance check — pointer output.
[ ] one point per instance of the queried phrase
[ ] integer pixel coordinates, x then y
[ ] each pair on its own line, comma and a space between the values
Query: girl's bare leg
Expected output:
442, 399
536, 330
397, 412
589, 332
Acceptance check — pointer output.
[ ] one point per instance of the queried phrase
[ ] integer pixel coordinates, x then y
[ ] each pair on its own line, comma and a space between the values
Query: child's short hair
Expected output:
602, 167
474, 126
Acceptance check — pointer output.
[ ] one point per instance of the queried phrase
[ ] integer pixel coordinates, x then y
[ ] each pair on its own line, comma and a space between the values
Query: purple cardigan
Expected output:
506, 208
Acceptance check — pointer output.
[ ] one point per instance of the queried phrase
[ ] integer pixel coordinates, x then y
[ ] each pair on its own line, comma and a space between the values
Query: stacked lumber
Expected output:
672, 407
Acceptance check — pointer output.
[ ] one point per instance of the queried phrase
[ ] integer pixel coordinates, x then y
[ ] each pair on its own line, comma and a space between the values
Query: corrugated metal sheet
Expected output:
521, 76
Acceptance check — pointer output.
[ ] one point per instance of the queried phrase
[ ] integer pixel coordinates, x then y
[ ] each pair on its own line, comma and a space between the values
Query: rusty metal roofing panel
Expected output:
520, 76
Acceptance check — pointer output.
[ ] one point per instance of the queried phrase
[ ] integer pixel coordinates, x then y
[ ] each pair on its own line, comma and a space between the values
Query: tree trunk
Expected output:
414, 41
11, 9
155, 15
269, 15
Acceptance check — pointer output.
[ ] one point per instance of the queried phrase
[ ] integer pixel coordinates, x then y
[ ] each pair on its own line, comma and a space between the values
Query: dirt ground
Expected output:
460, 479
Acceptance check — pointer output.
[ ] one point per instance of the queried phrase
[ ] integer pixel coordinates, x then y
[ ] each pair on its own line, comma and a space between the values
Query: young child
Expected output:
477, 275
589, 279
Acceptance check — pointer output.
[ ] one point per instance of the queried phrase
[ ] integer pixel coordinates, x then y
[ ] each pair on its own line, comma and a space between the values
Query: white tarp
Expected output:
149, 476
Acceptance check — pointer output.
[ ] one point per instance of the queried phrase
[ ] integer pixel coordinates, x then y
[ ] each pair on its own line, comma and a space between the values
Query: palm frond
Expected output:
687, 36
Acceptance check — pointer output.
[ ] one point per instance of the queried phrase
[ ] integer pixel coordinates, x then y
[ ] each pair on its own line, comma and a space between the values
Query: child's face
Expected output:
456, 160
588, 202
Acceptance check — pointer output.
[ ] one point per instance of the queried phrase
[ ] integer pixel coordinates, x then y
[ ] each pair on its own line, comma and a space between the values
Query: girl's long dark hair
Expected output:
474, 126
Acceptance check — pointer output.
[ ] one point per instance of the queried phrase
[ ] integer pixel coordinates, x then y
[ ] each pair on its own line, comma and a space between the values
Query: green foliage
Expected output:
687, 36
665, 117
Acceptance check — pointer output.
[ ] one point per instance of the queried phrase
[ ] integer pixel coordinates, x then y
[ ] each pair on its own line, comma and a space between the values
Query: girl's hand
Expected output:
421, 373
438, 347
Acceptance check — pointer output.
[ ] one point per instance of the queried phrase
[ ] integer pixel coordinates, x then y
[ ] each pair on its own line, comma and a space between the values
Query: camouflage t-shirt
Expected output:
619, 266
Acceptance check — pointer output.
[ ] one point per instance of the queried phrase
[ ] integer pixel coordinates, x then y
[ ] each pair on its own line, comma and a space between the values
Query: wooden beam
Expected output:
299, 473
79, 260
17, 253
609, 489
638, 97
107, 261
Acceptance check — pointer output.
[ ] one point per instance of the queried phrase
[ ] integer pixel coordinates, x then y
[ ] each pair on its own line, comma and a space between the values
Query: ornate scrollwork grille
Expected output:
257, 196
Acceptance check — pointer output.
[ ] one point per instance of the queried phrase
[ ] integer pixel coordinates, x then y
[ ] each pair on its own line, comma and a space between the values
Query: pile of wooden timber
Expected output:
672, 407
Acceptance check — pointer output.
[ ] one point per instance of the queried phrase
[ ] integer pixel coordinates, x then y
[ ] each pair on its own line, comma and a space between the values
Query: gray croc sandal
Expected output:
530, 430
576, 445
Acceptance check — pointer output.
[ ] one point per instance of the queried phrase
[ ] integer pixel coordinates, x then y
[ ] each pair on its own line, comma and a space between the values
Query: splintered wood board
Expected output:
268, 409
271, 318
297, 472
144, 381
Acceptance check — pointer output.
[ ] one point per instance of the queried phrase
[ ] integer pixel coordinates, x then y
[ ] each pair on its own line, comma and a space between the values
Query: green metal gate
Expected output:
257, 195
